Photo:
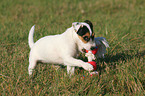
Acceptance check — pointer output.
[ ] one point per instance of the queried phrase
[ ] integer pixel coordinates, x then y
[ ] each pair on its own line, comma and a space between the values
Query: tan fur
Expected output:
82, 39
87, 34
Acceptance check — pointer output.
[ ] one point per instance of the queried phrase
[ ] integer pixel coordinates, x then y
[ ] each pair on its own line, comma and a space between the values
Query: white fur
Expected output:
58, 49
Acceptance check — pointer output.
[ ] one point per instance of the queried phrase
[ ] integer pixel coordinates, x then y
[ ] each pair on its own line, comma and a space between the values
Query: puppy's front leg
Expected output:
70, 70
70, 61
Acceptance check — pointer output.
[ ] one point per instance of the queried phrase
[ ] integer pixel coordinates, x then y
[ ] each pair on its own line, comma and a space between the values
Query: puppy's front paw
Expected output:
87, 67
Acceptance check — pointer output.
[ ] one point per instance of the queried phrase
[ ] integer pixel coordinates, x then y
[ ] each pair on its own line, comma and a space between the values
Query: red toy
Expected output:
93, 63
93, 51
91, 56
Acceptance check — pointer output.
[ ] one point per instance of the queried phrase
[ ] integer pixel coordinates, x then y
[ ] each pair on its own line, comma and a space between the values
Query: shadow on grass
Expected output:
113, 59
126, 55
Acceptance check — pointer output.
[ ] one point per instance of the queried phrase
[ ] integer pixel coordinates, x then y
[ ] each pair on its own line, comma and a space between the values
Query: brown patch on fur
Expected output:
87, 34
82, 39
93, 34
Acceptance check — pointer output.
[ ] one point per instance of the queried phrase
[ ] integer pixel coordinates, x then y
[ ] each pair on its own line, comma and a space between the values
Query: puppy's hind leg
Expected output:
32, 64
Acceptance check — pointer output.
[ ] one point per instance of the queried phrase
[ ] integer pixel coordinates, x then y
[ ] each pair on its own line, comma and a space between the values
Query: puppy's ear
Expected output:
90, 24
76, 26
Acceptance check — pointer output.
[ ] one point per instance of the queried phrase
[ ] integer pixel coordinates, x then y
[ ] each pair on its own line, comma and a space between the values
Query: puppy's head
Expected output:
85, 34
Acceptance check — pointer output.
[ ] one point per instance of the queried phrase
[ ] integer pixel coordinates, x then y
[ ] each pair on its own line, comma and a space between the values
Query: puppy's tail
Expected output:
30, 38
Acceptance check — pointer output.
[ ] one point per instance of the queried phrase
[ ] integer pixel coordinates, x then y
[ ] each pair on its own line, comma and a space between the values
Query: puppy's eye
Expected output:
86, 38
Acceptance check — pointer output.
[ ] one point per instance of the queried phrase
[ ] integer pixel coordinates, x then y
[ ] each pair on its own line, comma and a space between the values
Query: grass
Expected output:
121, 22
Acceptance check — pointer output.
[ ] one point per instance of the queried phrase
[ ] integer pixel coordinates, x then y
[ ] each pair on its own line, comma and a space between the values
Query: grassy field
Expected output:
121, 22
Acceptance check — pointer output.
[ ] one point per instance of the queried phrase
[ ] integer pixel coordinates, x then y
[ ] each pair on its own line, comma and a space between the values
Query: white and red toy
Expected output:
91, 56
99, 51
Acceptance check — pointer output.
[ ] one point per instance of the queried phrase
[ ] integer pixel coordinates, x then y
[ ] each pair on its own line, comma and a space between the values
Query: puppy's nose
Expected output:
92, 48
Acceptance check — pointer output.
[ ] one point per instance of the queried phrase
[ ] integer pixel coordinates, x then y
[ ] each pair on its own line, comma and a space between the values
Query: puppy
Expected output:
62, 48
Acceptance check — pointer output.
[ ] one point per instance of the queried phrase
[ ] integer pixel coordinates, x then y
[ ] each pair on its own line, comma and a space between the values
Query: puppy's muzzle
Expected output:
93, 47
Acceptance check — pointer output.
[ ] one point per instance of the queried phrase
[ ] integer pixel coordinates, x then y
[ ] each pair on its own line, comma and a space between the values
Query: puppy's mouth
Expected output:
85, 50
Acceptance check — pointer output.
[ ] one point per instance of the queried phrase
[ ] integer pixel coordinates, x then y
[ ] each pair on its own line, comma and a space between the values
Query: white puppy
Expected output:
63, 48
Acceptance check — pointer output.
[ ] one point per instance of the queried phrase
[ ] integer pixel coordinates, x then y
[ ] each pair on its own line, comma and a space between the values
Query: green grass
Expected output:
121, 22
